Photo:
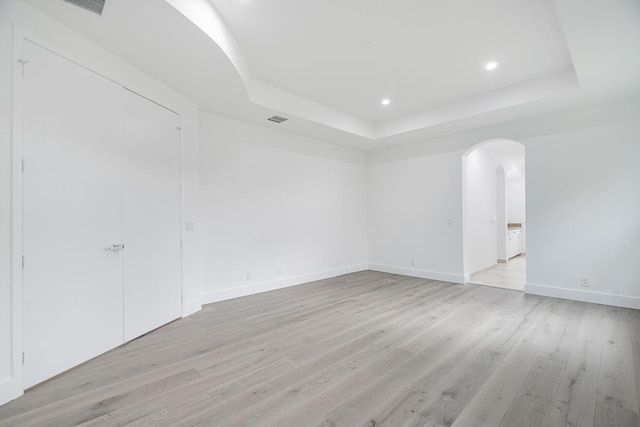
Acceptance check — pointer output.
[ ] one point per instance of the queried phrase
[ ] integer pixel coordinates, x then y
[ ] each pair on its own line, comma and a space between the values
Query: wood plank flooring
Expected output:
365, 349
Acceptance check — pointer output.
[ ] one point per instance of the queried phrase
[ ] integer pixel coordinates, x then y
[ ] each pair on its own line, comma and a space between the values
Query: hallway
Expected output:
511, 275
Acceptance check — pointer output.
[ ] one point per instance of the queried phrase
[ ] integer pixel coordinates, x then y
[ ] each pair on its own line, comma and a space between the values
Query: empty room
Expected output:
331, 213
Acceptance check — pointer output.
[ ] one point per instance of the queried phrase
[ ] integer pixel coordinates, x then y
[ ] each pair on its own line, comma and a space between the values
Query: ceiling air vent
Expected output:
277, 119
94, 6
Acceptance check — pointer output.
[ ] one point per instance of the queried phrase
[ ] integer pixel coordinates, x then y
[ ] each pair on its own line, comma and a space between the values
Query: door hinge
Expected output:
22, 165
23, 262
23, 357
22, 62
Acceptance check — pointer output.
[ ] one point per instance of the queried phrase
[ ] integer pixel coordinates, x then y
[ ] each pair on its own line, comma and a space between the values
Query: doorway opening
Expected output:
494, 233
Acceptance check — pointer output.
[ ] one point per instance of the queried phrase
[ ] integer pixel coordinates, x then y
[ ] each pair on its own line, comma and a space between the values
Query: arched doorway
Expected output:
494, 222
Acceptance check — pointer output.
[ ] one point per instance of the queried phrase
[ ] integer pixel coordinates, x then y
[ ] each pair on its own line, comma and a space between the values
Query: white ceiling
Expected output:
350, 55
327, 65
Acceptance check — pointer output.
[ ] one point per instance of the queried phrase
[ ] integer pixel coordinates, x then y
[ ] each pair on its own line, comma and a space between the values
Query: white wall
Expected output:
583, 211
415, 209
582, 204
480, 241
44, 30
272, 200
501, 214
516, 200
516, 205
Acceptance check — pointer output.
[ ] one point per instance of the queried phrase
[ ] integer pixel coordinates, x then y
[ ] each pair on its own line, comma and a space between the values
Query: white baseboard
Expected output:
255, 288
584, 296
415, 272
10, 389
482, 270
191, 307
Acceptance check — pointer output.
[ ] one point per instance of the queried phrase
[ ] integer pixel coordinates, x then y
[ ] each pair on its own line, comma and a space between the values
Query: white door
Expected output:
152, 200
72, 211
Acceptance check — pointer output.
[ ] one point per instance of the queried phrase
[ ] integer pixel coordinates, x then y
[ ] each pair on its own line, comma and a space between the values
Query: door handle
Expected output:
116, 247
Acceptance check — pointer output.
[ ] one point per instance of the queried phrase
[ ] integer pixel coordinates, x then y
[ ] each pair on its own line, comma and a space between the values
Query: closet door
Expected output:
72, 215
152, 200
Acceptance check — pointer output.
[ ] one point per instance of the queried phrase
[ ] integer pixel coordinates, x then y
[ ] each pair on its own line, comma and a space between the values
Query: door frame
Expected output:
465, 208
13, 387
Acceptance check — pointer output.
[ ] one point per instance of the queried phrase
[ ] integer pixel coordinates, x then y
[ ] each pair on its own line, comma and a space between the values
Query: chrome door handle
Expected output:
116, 247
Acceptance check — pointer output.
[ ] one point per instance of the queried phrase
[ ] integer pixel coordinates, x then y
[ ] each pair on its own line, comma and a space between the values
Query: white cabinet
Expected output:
514, 242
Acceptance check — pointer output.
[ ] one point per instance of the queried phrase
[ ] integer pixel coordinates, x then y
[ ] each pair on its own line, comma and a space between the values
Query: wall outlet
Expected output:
585, 282
412, 262
249, 275
279, 271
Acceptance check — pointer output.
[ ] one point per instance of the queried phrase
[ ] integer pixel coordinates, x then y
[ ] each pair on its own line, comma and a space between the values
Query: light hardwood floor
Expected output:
365, 349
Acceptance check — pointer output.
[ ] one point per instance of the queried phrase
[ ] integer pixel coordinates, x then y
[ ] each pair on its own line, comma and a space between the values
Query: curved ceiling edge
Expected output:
205, 17
202, 14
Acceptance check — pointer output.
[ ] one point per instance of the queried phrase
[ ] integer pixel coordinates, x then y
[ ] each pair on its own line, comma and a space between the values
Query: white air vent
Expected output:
94, 6
277, 119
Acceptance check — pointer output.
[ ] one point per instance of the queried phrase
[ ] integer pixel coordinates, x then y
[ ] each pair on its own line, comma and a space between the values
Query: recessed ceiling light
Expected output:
386, 101
491, 66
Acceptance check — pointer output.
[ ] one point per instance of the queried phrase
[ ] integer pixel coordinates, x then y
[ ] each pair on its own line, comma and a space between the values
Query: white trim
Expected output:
415, 272
12, 387
270, 285
183, 303
625, 301
191, 307
482, 270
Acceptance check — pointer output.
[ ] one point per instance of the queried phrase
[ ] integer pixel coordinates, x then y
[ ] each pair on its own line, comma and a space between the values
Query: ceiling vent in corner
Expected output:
94, 6
277, 119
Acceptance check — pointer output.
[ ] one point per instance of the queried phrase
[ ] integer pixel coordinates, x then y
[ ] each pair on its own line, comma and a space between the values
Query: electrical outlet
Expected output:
249, 276
585, 282
279, 271
413, 262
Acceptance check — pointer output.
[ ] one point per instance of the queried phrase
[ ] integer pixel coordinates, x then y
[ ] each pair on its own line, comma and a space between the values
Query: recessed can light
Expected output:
386, 101
491, 66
